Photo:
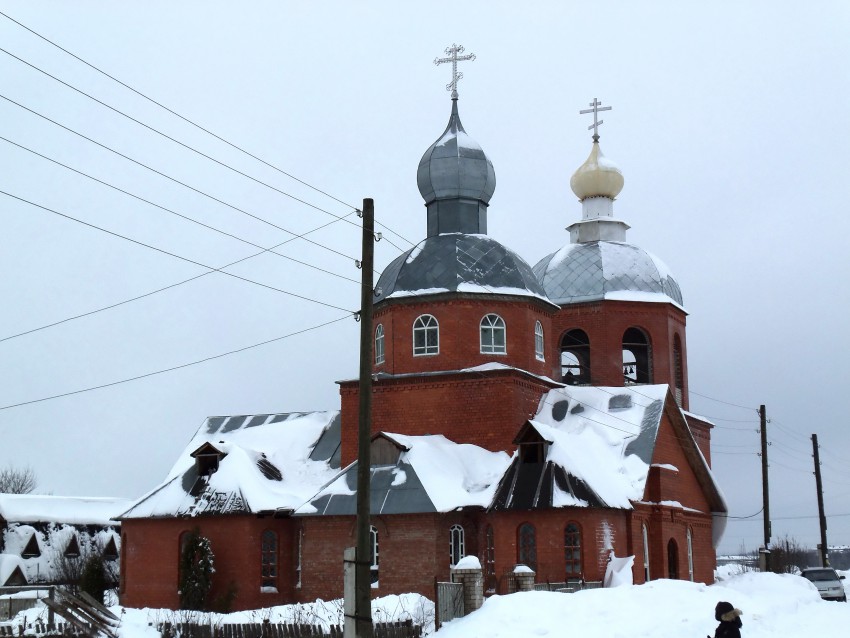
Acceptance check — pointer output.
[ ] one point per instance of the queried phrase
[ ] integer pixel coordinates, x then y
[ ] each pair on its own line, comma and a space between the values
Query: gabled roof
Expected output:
267, 462
603, 440
73, 510
11, 571
432, 474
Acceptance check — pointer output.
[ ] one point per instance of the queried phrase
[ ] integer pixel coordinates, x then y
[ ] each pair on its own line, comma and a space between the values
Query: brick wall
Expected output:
484, 408
459, 318
606, 321
151, 553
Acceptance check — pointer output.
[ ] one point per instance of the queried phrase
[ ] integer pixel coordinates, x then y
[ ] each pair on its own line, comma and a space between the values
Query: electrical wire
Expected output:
175, 140
182, 216
175, 180
190, 122
176, 256
173, 368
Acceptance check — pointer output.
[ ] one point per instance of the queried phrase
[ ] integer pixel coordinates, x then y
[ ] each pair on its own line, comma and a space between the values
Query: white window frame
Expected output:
425, 325
690, 555
379, 344
490, 325
457, 544
539, 343
646, 553
373, 558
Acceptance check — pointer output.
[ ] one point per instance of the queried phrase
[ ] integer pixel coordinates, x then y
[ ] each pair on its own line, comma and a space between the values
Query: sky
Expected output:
729, 124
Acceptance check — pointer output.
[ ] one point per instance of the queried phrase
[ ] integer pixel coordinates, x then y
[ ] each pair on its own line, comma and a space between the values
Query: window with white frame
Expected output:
379, 344
645, 553
426, 336
268, 561
373, 556
538, 341
456, 544
493, 335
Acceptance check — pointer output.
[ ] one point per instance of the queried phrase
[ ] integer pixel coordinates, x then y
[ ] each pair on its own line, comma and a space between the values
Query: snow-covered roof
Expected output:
600, 447
74, 510
265, 462
458, 263
8, 565
431, 474
613, 270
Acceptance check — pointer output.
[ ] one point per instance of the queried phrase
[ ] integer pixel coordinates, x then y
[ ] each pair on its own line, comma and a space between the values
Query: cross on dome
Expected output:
595, 108
454, 58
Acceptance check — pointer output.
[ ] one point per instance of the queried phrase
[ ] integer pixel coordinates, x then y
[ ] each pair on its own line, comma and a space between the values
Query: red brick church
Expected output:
534, 416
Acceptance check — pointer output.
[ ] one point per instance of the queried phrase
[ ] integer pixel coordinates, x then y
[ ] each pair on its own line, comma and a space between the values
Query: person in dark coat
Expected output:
730, 621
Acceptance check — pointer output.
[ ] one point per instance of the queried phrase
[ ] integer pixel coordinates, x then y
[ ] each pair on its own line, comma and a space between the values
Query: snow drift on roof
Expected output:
74, 510
265, 462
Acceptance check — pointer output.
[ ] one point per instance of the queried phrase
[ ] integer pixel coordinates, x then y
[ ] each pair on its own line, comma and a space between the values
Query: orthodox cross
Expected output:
596, 104
454, 58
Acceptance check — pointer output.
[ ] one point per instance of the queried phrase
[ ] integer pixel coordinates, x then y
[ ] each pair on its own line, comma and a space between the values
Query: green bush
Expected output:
196, 570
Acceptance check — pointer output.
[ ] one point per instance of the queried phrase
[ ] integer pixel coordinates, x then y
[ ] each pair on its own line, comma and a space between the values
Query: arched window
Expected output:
527, 546
645, 553
690, 555
572, 550
672, 559
493, 335
456, 544
122, 578
268, 561
538, 341
490, 560
678, 370
637, 357
373, 555
575, 357
426, 336
379, 344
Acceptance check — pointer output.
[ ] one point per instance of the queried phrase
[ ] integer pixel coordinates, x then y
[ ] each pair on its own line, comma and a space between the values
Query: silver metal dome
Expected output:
458, 263
456, 180
605, 270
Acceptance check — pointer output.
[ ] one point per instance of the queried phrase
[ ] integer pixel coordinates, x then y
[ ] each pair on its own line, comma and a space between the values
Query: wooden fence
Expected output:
405, 629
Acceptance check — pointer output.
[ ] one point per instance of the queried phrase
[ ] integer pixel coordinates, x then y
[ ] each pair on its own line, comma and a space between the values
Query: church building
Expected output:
535, 416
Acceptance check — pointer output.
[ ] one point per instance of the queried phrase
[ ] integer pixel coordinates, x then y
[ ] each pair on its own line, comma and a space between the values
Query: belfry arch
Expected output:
637, 357
575, 357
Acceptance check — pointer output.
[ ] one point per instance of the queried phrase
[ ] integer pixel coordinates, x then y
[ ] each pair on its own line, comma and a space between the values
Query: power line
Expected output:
173, 368
170, 254
172, 139
734, 405
185, 119
173, 179
153, 292
182, 216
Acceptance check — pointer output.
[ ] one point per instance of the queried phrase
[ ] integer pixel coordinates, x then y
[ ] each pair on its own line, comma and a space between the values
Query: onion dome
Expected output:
597, 177
591, 271
457, 262
456, 180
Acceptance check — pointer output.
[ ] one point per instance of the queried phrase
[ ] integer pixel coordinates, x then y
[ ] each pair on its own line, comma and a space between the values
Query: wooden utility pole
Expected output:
363, 586
824, 552
765, 491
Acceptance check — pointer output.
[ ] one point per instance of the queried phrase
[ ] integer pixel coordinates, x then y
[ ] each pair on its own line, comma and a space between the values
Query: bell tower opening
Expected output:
575, 357
637, 357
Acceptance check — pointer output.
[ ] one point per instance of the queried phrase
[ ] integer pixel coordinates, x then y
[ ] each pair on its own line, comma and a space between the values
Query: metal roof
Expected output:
458, 263
591, 271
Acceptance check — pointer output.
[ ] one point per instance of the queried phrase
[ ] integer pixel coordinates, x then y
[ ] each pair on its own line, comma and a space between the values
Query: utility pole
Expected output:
824, 552
765, 492
362, 584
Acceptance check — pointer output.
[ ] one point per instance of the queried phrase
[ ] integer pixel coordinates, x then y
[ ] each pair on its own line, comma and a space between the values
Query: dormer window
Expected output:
73, 549
532, 447
31, 549
207, 458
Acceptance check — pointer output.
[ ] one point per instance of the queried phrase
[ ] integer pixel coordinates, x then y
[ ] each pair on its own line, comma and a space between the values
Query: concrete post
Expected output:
524, 577
349, 608
471, 576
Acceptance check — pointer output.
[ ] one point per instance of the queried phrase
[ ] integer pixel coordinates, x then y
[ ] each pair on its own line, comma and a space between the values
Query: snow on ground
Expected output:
774, 606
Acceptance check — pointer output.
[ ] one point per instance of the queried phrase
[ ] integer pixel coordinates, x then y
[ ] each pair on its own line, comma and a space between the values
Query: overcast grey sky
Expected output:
730, 125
